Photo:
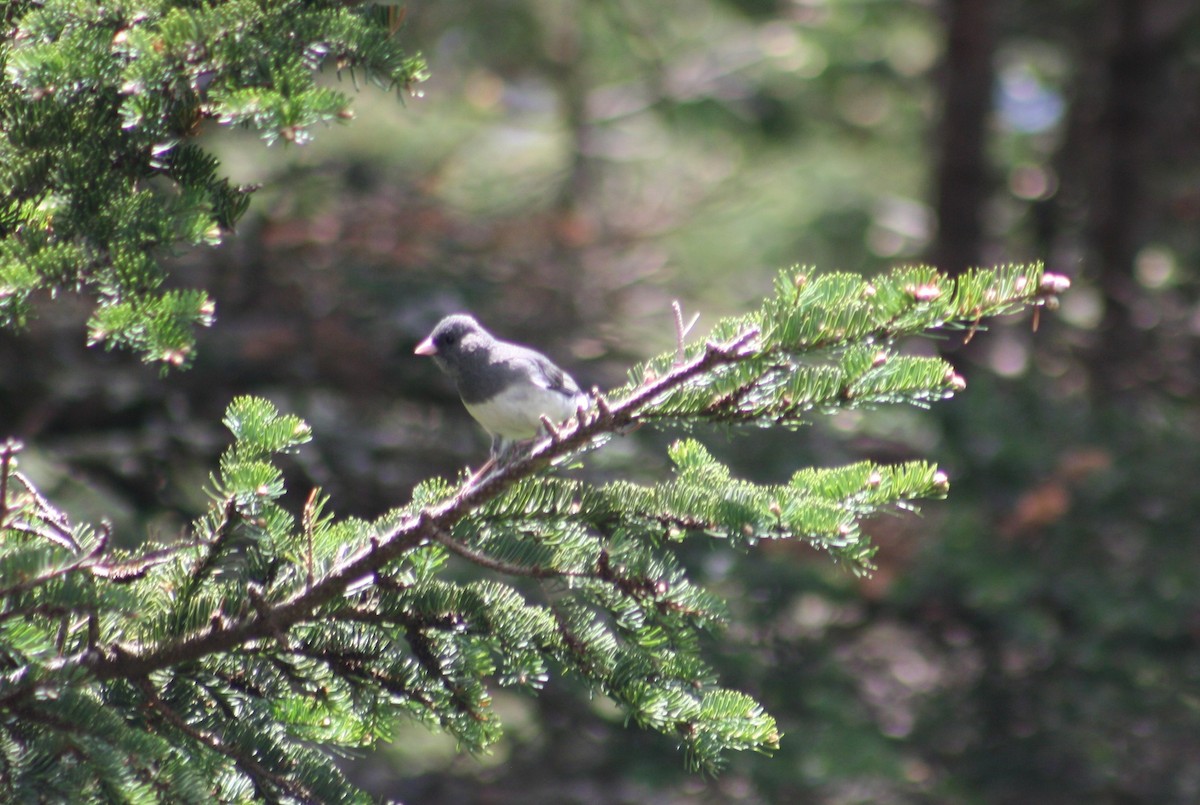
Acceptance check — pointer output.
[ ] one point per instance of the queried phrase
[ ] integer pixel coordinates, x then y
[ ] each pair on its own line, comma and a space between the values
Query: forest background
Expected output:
571, 168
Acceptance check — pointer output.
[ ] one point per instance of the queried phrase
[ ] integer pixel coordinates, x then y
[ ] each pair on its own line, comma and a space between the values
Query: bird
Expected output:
506, 387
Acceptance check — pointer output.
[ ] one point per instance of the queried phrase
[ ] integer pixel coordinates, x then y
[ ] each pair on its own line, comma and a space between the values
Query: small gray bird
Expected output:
506, 387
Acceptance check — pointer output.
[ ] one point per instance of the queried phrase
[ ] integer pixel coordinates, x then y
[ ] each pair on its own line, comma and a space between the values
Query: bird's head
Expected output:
452, 338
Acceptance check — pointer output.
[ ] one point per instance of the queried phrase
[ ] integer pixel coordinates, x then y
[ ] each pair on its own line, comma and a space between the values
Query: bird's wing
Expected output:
549, 376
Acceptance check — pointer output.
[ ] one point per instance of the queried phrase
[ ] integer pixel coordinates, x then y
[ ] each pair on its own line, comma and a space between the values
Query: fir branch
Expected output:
354, 619
263, 777
491, 563
101, 175
589, 429
55, 526
58, 572
43, 611
124, 571
414, 530
355, 669
217, 543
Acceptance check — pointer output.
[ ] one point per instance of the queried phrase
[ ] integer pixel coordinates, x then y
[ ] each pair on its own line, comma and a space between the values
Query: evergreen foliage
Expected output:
100, 176
213, 667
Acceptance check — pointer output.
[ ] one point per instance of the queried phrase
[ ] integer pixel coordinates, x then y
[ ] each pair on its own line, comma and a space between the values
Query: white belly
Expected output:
516, 414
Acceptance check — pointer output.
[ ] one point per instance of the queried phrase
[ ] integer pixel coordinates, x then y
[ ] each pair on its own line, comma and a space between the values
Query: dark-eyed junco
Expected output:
508, 388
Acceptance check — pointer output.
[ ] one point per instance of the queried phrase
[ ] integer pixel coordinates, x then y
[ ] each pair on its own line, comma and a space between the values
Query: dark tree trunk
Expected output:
962, 177
1119, 141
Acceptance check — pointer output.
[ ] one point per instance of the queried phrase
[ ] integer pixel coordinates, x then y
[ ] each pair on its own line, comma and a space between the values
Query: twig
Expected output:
603, 412
262, 608
308, 523
44, 610
136, 567
681, 331
57, 526
551, 428
500, 566
479, 474
79, 564
10, 449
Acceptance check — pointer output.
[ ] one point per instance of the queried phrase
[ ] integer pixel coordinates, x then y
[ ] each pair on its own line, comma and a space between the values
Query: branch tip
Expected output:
1053, 284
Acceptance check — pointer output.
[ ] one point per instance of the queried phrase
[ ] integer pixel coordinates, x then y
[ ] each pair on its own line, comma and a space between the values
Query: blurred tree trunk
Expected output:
1113, 137
961, 180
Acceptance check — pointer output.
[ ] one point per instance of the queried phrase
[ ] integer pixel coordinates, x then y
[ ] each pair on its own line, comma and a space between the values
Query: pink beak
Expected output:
426, 347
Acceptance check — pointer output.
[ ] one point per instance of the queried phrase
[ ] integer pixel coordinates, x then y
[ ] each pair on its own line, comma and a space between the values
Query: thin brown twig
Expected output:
137, 566
499, 565
551, 428
37, 581
57, 526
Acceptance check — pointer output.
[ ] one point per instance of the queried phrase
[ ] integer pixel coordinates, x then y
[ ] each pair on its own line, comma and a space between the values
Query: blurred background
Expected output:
572, 167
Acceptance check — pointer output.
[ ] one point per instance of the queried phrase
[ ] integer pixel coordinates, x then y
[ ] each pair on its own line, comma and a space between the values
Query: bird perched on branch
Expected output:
506, 387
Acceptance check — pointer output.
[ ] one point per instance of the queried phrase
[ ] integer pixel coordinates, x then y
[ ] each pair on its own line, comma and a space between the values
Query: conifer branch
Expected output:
266, 614
124, 571
44, 521
47, 577
490, 563
425, 525
265, 779
42, 611
415, 530
102, 174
